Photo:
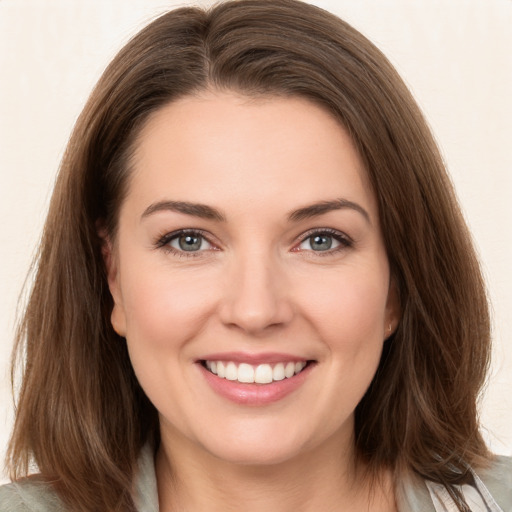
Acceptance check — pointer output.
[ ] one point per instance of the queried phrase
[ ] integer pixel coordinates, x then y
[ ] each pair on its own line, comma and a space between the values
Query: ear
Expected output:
393, 310
111, 262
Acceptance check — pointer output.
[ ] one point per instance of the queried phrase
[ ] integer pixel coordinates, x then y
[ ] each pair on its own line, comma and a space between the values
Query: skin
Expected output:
255, 285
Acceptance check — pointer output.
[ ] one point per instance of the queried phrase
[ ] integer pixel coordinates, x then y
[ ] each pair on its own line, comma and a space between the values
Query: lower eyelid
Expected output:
343, 240
165, 240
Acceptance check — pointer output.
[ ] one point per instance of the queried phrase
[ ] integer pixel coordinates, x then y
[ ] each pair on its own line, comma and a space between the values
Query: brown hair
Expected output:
82, 417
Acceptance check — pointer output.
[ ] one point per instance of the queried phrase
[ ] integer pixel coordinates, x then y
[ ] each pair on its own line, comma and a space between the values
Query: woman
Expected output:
255, 288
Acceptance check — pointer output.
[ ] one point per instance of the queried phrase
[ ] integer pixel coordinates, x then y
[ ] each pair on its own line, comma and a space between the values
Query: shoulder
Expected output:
498, 480
413, 494
29, 495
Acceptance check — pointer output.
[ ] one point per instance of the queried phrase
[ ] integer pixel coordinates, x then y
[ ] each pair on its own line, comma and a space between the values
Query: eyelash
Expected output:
345, 241
163, 241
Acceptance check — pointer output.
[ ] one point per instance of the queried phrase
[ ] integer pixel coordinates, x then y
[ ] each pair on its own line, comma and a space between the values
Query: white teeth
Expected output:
231, 371
261, 374
278, 372
245, 373
289, 371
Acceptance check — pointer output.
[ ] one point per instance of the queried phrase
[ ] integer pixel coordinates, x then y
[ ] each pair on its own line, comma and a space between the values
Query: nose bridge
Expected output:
256, 293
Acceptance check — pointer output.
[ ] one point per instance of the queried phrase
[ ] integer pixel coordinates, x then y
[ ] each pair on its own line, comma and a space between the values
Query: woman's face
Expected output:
249, 248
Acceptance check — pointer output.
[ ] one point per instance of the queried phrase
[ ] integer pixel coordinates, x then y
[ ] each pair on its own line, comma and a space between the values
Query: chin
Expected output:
265, 450
269, 456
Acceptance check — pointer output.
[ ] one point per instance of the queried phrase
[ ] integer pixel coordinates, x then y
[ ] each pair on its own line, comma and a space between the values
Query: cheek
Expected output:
347, 313
349, 305
165, 310
163, 307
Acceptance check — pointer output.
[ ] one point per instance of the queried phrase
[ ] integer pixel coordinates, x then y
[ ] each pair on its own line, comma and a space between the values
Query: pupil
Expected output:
190, 242
321, 243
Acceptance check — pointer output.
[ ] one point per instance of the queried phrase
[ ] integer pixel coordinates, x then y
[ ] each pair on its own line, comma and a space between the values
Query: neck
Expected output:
326, 478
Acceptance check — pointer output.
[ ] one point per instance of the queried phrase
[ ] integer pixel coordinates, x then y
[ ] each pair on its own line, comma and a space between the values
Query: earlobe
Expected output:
117, 319
112, 270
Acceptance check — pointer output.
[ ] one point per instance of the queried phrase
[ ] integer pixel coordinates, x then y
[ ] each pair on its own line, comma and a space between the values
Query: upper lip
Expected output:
254, 359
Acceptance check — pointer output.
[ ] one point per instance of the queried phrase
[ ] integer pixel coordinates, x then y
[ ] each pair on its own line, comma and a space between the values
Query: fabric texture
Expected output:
492, 492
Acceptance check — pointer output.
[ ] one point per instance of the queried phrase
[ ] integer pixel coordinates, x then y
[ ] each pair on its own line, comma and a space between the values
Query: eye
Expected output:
319, 242
189, 242
324, 241
184, 242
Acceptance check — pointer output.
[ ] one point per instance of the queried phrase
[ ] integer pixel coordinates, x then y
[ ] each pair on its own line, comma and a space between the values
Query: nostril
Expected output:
255, 315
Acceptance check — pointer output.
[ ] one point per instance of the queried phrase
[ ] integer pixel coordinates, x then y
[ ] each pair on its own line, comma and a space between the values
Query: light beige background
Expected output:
456, 55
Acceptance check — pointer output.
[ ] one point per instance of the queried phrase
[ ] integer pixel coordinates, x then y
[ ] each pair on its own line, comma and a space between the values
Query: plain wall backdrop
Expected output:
455, 55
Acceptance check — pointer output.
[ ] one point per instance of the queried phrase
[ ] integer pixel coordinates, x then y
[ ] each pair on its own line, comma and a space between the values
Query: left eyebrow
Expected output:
323, 207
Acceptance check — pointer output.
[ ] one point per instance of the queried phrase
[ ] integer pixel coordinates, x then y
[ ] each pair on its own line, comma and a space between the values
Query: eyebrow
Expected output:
323, 207
202, 211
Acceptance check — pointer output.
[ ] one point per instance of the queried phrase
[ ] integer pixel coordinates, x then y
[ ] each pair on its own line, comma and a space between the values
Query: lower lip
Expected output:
255, 394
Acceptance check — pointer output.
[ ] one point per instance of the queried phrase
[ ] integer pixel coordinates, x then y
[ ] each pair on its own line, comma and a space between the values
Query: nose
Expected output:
256, 296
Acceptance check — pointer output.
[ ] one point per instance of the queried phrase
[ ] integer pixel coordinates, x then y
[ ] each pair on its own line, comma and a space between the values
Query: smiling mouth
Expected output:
255, 374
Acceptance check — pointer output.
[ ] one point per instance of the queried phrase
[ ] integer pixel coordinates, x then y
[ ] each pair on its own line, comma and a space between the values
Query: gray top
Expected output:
415, 495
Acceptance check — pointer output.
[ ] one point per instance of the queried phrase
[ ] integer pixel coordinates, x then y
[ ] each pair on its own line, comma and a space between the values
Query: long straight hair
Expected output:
82, 416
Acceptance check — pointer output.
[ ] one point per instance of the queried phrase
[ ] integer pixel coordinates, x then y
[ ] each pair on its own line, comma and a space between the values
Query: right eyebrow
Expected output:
202, 211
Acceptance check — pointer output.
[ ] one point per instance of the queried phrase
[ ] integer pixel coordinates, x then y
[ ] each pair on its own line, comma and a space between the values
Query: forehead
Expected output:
220, 146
